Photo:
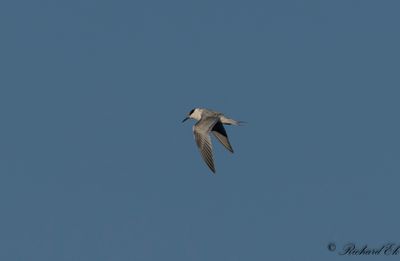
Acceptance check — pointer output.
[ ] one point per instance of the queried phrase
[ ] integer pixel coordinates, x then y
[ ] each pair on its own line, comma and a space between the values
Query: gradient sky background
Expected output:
96, 165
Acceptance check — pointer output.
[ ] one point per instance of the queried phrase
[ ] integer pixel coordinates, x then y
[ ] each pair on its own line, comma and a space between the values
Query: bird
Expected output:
210, 121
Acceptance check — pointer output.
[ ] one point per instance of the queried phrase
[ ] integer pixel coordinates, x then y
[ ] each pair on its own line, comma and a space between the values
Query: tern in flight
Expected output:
210, 121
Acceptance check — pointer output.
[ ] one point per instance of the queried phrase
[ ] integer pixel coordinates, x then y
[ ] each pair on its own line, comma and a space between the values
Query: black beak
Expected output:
185, 119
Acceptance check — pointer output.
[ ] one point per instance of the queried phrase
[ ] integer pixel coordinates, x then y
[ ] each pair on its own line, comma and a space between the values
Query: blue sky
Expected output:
96, 165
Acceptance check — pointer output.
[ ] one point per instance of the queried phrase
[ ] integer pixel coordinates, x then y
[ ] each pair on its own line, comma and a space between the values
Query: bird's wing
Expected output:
201, 132
219, 132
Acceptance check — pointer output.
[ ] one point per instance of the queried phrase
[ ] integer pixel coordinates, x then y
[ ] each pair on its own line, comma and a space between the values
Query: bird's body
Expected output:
210, 121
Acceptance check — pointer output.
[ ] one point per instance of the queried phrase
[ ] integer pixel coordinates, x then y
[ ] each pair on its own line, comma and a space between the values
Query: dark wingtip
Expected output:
212, 168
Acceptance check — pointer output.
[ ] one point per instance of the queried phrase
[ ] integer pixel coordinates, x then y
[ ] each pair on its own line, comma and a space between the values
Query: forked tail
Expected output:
229, 121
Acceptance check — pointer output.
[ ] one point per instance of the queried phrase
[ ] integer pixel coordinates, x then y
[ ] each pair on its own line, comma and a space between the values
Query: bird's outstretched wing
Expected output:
219, 132
201, 131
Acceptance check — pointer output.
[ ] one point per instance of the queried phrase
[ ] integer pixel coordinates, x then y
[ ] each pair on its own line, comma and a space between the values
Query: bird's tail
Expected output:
229, 121
241, 123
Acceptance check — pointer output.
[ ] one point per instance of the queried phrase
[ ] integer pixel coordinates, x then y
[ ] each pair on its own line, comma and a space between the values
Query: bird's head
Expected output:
193, 114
